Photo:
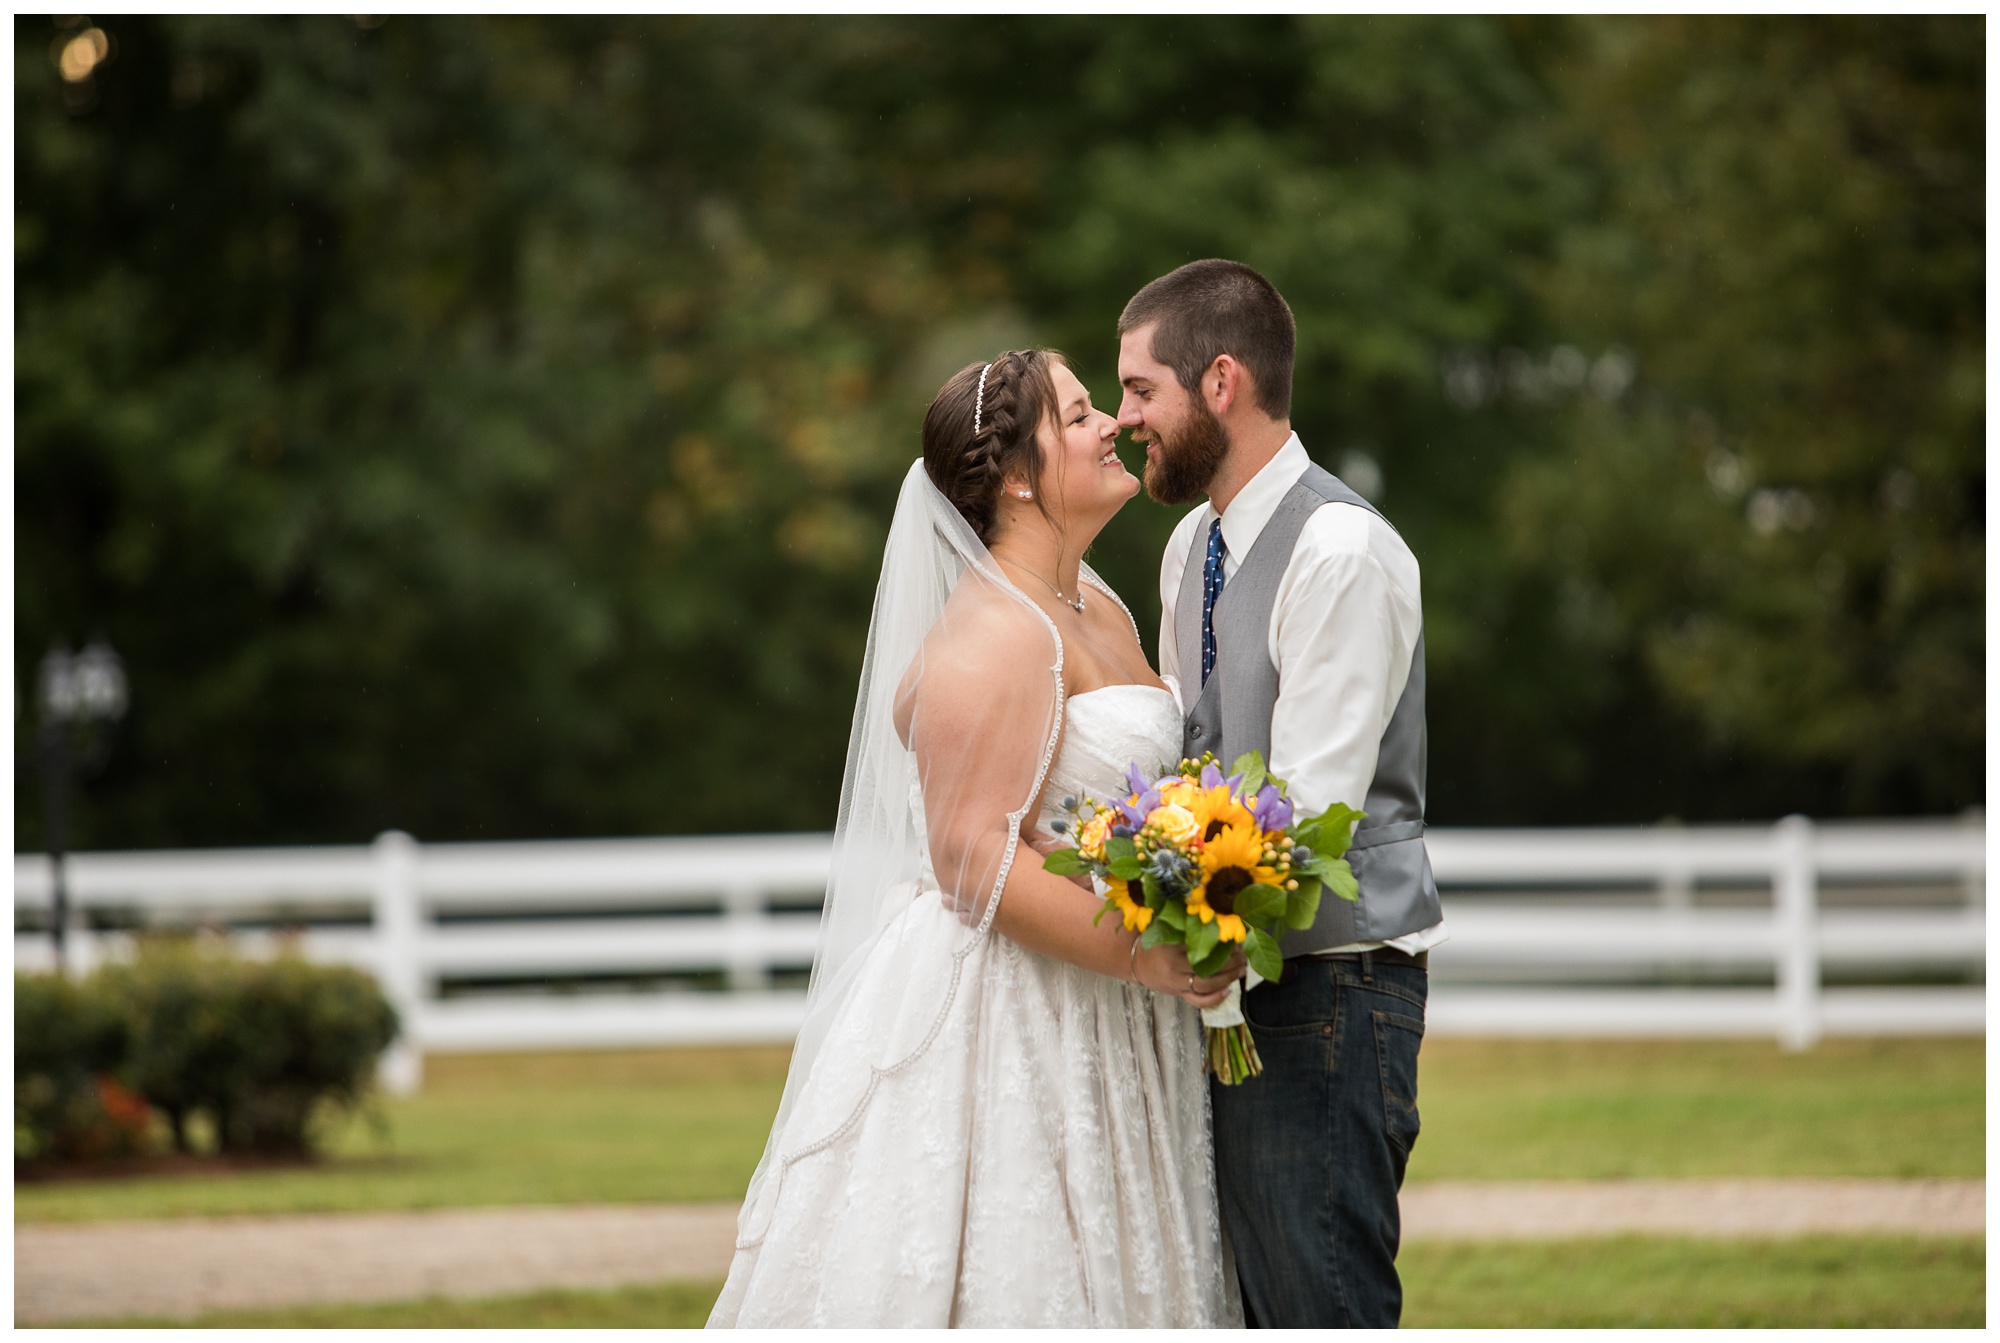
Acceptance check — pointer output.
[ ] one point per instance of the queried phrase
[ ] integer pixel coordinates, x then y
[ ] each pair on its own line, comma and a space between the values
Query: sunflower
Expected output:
1230, 861
1136, 915
1212, 808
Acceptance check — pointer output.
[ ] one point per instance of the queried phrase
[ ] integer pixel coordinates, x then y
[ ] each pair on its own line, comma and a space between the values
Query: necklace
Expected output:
1076, 606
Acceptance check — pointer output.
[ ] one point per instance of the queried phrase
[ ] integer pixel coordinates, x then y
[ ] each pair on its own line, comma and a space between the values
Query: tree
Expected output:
1784, 526
488, 427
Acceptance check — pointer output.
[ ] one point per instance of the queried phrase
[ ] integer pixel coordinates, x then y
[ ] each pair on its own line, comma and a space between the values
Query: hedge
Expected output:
264, 1049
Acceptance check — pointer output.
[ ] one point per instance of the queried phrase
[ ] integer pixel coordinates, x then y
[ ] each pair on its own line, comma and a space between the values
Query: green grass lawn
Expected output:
1593, 1109
687, 1125
1866, 1282
1816, 1283
672, 1305
676, 1126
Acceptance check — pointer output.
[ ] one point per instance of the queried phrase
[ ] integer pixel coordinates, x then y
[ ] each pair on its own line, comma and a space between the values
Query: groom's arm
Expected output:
1343, 631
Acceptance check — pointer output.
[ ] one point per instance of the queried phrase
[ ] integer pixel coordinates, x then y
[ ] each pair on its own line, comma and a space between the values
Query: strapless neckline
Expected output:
1125, 685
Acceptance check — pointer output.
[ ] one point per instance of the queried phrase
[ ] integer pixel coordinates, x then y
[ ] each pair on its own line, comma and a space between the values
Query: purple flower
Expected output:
1210, 776
1134, 813
1271, 809
1136, 779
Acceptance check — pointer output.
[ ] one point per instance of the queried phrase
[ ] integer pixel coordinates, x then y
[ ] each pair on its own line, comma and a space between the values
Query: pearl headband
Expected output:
979, 405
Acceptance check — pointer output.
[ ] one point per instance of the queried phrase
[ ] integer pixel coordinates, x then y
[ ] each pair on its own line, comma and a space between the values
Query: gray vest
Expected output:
1233, 715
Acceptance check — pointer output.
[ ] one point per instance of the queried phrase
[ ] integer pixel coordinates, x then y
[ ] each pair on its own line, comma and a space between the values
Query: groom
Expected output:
1293, 622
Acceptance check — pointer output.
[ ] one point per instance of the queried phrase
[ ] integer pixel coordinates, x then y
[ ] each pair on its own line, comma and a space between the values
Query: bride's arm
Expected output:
1046, 913
982, 710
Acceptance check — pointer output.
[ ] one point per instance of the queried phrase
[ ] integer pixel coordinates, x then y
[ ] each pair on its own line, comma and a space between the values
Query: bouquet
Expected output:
1209, 862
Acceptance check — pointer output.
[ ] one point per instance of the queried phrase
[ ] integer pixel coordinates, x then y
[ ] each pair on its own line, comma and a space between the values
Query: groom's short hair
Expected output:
1216, 307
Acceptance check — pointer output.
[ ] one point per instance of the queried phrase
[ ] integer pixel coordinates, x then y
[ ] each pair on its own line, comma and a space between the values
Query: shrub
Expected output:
66, 1104
264, 1048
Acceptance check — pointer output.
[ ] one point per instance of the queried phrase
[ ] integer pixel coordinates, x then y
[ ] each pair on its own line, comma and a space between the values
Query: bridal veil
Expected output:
958, 715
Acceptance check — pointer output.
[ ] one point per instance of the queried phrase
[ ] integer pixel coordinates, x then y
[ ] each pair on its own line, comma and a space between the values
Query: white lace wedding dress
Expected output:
1039, 1155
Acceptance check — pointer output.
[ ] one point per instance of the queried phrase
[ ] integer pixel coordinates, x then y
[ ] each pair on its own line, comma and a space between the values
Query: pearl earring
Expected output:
1026, 495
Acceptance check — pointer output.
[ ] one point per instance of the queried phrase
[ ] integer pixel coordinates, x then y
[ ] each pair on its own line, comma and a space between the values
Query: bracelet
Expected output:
1133, 959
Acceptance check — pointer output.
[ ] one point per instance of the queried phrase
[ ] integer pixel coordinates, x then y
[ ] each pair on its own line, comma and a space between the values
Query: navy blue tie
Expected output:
1211, 588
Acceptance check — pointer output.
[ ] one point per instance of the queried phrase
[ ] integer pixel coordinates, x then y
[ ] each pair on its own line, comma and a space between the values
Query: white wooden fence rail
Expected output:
1518, 905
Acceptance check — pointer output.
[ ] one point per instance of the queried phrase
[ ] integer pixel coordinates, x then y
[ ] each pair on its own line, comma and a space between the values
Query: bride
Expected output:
996, 1114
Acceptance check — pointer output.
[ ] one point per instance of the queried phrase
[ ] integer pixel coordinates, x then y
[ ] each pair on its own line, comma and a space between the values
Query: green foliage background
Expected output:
488, 427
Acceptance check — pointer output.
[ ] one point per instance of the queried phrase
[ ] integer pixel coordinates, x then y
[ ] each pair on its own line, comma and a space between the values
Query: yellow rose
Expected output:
1176, 825
1180, 793
1090, 839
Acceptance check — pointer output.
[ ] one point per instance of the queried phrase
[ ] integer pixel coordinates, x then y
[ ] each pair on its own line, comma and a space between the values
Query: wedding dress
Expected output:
1034, 1153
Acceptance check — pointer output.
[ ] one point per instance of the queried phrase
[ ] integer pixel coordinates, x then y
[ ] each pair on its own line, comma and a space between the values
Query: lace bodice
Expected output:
1104, 732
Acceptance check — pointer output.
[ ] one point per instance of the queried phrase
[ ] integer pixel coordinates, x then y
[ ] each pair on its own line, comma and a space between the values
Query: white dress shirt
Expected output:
1344, 628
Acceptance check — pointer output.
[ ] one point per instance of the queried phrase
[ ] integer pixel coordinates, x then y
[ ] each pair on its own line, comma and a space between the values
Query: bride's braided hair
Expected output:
969, 465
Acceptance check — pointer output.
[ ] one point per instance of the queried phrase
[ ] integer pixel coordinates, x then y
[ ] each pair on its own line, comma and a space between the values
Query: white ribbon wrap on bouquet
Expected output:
1231, 1011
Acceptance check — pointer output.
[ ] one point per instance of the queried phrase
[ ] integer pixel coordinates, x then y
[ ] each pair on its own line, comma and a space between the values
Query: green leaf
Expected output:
1212, 963
1251, 766
1126, 869
1322, 867
1330, 832
1341, 881
1120, 846
1201, 939
1065, 863
1158, 933
1303, 906
1260, 905
1150, 884
1122, 857
1264, 955
1174, 916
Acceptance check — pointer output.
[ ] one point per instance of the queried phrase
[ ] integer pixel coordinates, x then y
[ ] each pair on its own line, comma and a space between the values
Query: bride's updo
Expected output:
968, 467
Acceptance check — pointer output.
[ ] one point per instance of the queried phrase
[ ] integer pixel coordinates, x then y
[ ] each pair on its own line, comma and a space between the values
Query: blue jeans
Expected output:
1310, 1155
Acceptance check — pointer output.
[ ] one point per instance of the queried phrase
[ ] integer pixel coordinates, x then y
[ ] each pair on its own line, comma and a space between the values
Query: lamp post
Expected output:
76, 690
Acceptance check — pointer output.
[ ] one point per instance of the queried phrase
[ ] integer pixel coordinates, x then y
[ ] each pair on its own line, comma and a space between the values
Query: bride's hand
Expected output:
1165, 969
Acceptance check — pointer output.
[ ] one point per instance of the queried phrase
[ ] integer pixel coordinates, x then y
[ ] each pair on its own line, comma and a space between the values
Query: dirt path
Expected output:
182, 1268
1560, 1210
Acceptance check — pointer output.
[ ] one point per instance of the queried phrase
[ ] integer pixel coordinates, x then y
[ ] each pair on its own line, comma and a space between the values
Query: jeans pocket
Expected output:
1397, 1039
1305, 1002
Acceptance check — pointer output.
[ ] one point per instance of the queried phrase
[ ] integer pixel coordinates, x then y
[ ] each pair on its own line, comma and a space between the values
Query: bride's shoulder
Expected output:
986, 648
985, 629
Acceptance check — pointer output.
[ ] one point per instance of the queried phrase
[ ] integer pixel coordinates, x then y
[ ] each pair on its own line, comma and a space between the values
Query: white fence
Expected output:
453, 930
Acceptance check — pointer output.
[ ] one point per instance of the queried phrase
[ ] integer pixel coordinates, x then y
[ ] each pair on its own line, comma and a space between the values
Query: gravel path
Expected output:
181, 1268
184, 1267
1561, 1210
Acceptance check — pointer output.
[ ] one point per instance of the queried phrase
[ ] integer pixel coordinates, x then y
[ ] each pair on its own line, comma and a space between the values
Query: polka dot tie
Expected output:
1211, 588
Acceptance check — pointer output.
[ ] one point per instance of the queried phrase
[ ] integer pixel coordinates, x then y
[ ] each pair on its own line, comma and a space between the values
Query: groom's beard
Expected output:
1188, 459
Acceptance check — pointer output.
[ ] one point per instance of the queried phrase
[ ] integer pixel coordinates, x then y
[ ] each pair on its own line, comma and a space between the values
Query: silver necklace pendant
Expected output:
1076, 606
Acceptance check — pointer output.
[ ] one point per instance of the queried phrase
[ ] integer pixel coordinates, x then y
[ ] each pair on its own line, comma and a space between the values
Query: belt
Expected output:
1379, 956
